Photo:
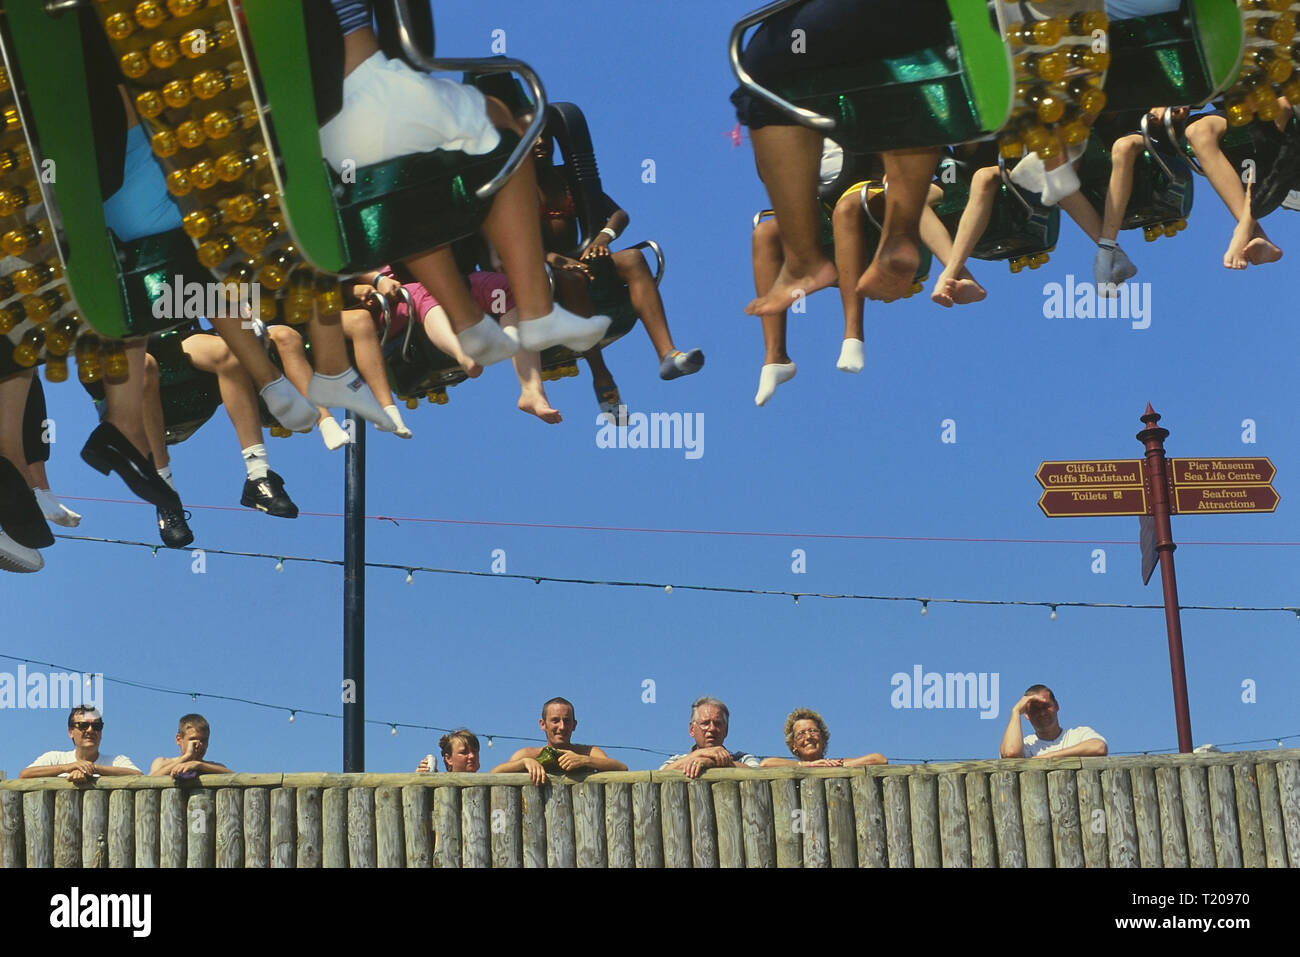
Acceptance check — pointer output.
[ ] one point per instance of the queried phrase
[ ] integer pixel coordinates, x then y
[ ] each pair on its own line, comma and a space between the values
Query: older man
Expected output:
84, 762
708, 728
559, 721
1040, 706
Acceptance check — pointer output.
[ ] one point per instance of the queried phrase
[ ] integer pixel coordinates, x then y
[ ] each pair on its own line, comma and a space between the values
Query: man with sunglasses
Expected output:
84, 762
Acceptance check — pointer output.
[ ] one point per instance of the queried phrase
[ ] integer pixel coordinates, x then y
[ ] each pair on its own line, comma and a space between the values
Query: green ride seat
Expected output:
1182, 58
1021, 231
957, 91
1162, 185
394, 209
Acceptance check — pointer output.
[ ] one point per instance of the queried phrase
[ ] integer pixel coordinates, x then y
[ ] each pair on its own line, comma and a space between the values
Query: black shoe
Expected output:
268, 495
20, 514
107, 450
171, 526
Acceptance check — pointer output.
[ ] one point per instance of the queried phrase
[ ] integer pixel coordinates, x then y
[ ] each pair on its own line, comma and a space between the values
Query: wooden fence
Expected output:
1238, 809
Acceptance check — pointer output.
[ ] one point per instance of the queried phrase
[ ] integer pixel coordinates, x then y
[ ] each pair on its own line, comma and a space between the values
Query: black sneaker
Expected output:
171, 526
268, 495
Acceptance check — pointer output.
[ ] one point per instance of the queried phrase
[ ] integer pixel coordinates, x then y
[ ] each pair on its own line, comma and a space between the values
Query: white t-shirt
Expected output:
1068, 739
51, 758
832, 162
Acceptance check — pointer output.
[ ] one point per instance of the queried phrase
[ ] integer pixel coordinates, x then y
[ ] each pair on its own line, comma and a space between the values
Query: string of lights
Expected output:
724, 533
667, 587
491, 736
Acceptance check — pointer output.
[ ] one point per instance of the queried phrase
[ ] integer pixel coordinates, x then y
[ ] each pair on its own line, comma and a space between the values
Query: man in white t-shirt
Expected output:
84, 762
1040, 706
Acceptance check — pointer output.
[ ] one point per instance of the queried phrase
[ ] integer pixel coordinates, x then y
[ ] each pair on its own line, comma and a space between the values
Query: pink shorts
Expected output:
491, 290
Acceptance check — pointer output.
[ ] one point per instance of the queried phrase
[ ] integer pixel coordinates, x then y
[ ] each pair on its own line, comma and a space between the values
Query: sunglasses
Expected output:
88, 725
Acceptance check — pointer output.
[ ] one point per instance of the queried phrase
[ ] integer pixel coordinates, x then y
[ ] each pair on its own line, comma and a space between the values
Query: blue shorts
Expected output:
142, 207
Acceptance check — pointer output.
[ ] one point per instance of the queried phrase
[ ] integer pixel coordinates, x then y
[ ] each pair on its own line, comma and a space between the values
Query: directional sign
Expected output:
1098, 473
1067, 503
1220, 499
1225, 471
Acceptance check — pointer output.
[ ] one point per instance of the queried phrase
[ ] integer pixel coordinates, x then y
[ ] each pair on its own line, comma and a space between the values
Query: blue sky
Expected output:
831, 457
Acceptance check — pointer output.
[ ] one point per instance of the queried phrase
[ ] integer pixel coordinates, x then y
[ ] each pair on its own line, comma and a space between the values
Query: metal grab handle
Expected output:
809, 118
659, 255
411, 320
57, 8
1180, 146
1151, 147
761, 215
525, 145
866, 205
385, 314
1012, 188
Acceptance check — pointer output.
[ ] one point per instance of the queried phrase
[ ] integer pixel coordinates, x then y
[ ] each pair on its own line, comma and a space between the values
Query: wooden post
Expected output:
67, 828
1196, 811
508, 834
954, 821
1004, 796
121, 828
1146, 810
201, 827
731, 833
38, 824
12, 851
1037, 818
898, 822
94, 829
560, 848
620, 835
147, 827
704, 831
676, 814
475, 827
923, 806
758, 825
311, 827
869, 816
284, 839
839, 821
816, 829
230, 827
446, 827
390, 841
647, 824
257, 827
361, 827
1063, 800
416, 803
171, 829
534, 826
785, 818
589, 824
1288, 783
1270, 810
1223, 814
1092, 818
1121, 826
979, 807
334, 827
1173, 836
1249, 816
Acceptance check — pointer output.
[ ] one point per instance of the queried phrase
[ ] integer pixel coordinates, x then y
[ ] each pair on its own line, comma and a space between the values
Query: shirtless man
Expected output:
558, 722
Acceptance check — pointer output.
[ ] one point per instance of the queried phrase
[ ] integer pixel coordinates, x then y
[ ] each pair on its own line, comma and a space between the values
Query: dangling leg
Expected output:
892, 271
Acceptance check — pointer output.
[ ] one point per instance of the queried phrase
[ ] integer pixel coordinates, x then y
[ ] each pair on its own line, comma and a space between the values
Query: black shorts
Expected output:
35, 448
835, 33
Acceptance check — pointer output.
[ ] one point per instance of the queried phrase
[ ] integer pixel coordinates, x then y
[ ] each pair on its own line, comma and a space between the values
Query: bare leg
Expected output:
293, 356
899, 254
125, 402
777, 365
788, 158
1085, 217
1204, 137
528, 367
13, 403
848, 223
152, 414
360, 330
437, 326
974, 221
647, 302
248, 350
210, 354
1123, 158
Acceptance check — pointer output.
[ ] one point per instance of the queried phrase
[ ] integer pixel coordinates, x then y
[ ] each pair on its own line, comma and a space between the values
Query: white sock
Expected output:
54, 510
399, 427
165, 473
772, 375
562, 328
852, 356
349, 391
333, 434
288, 406
255, 462
1103, 263
1059, 183
1122, 269
485, 343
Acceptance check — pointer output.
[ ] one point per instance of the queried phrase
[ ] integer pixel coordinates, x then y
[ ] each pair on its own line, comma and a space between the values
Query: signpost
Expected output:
1156, 488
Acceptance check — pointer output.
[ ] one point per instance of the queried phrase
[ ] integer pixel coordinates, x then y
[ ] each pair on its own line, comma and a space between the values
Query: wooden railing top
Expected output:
443, 779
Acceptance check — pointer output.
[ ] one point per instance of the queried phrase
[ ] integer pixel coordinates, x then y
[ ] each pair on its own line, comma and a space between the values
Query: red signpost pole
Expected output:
1153, 438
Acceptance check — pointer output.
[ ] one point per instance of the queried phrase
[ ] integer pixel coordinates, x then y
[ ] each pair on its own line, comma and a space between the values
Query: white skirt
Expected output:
389, 110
